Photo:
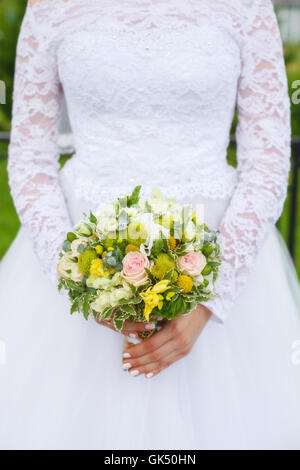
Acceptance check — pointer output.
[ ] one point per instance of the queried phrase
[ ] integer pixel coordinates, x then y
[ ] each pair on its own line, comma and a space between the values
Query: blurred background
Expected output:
288, 13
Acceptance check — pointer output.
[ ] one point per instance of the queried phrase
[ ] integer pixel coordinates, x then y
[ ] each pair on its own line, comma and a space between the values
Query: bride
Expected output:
151, 87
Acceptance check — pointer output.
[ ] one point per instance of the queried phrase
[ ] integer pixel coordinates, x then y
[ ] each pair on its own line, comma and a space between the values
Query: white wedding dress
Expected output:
151, 87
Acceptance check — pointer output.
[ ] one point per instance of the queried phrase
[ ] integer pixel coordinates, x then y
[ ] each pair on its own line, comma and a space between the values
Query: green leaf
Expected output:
118, 321
66, 246
71, 237
134, 198
72, 285
60, 284
207, 270
95, 314
172, 310
86, 306
214, 264
93, 218
157, 247
107, 313
75, 305
128, 309
169, 275
207, 249
132, 288
148, 207
150, 275
189, 308
80, 248
91, 290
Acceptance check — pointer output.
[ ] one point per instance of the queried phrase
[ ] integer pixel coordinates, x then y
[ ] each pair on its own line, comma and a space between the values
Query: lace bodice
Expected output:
151, 87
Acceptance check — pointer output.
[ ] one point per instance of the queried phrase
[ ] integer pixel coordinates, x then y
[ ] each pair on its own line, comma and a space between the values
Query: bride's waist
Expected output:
102, 182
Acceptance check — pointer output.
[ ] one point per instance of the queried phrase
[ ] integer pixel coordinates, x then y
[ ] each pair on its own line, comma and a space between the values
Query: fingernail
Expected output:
126, 366
149, 375
150, 326
134, 373
132, 335
126, 355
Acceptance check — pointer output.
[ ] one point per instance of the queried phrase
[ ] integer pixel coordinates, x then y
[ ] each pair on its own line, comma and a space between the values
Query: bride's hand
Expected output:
129, 329
174, 341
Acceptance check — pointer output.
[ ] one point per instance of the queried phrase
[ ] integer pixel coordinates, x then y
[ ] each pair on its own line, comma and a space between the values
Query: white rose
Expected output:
84, 229
102, 301
67, 269
104, 282
106, 225
117, 294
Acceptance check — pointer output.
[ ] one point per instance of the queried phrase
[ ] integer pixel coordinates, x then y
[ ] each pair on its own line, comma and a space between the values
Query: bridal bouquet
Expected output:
139, 259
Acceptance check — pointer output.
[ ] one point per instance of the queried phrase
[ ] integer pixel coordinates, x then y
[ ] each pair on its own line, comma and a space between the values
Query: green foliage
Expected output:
173, 309
11, 13
134, 198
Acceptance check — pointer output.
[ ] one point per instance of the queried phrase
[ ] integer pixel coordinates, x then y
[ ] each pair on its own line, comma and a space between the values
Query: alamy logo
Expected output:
2, 92
2, 353
296, 94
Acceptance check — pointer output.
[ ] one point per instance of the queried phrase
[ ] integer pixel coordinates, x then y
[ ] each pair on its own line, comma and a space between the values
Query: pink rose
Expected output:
134, 264
192, 263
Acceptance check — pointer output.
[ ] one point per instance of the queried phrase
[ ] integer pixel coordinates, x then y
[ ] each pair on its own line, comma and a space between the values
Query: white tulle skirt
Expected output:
62, 385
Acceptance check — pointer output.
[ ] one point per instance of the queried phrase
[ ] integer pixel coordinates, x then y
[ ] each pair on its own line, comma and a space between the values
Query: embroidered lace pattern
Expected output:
151, 88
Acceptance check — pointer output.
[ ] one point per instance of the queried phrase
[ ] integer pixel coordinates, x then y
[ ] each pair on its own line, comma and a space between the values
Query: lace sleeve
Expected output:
33, 153
263, 152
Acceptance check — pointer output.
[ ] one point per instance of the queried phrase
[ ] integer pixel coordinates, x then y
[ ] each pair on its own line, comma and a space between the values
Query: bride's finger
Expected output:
138, 326
150, 344
155, 367
129, 329
153, 359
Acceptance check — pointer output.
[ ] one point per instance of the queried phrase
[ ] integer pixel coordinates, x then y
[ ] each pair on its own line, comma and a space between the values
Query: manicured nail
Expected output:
134, 373
150, 326
126, 366
149, 375
126, 355
132, 335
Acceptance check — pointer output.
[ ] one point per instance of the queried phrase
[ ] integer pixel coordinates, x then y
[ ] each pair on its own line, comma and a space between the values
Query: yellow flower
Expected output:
160, 286
131, 248
185, 282
170, 295
172, 242
97, 269
99, 249
163, 264
84, 261
152, 297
